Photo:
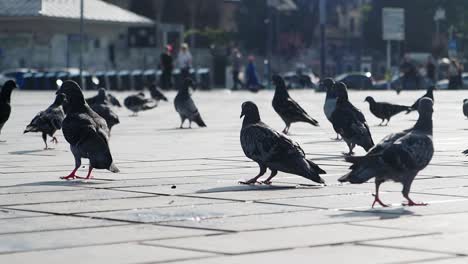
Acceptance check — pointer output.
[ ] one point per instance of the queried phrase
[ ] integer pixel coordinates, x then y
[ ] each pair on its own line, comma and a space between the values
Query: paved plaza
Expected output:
177, 198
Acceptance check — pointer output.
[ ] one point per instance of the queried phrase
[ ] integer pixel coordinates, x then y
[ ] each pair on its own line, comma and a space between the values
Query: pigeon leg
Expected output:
182, 122
89, 174
376, 195
406, 191
54, 140
338, 138
286, 129
388, 120
381, 123
71, 176
190, 124
44, 137
273, 174
351, 147
254, 179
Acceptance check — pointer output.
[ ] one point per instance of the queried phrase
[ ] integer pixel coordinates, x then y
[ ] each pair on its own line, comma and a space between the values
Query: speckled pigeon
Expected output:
5, 107
398, 157
273, 150
429, 94
384, 111
185, 106
288, 109
86, 132
349, 122
48, 121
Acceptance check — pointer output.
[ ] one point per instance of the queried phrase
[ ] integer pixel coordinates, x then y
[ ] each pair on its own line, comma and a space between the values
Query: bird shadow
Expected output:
383, 213
26, 152
319, 141
57, 183
245, 187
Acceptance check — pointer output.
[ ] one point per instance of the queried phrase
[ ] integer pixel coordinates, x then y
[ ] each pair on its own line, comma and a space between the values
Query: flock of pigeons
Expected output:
86, 125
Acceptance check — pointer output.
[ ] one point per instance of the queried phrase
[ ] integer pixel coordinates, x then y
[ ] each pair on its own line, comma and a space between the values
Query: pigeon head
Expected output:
369, 99
102, 91
60, 99
188, 83
73, 93
327, 84
278, 81
341, 90
250, 112
425, 106
465, 100
425, 109
6, 90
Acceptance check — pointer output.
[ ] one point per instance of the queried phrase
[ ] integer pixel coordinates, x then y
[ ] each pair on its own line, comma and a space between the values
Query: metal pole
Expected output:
323, 52
389, 64
269, 46
81, 41
437, 55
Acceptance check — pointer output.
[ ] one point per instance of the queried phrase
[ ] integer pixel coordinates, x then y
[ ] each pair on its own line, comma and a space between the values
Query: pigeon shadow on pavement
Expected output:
27, 152
58, 183
245, 187
381, 213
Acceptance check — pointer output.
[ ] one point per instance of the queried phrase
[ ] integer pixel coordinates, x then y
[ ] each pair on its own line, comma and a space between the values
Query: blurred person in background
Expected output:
455, 75
410, 74
251, 76
166, 64
430, 69
236, 62
184, 61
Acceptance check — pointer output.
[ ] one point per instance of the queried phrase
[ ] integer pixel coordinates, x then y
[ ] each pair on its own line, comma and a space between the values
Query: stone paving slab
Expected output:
177, 199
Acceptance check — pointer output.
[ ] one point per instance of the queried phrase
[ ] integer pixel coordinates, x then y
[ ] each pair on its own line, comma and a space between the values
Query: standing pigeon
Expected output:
105, 111
398, 157
273, 150
138, 102
185, 106
287, 108
5, 107
48, 121
349, 122
429, 94
465, 107
86, 132
384, 111
157, 94
103, 97
330, 100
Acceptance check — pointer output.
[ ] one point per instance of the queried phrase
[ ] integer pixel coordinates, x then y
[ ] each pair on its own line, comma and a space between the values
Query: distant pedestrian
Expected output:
251, 76
430, 69
236, 63
167, 65
184, 61
454, 73
410, 74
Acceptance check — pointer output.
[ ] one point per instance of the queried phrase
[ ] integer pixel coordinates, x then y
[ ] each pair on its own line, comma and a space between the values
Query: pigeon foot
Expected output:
377, 200
412, 203
249, 182
266, 182
69, 177
54, 140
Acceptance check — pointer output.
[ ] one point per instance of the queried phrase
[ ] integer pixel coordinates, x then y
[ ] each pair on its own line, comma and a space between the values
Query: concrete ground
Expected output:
177, 198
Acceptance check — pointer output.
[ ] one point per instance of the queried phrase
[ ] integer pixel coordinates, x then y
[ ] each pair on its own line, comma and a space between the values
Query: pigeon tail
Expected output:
113, 168
465, 152
316, 168
199, 121
312, 121
31, 128
361, 171
149, 107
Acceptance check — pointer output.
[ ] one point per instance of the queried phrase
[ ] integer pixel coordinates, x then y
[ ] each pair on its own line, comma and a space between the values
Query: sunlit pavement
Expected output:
177, 198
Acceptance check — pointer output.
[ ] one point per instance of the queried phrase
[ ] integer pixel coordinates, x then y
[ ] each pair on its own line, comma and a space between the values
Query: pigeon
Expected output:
105, 111
384, 111
288, 109
398, 157
86, 132
330, 100
429, 94
157, 94
5, 107
103, 97
465, 107
273, 150
138, 102
185, 106
349, 122
48, 121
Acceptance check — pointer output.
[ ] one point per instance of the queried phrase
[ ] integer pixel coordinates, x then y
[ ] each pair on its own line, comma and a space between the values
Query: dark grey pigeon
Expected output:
398, 157
384, 111
48, 121
465, 107
86, 132
273, 150
330, 100
103, 97
429, 94
138, 102
185, 106
105, 111
5, 107
349, 122
157, 94
288, 109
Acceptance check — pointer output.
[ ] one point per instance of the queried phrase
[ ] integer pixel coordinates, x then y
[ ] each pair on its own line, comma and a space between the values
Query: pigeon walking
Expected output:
103, 97
384, 111
330, 100
138, 102
86, 132
465, 107
185, 106
429, 94
48, 121
5, 107
398, 157
273, 150
349, 122
157, 94
288, 109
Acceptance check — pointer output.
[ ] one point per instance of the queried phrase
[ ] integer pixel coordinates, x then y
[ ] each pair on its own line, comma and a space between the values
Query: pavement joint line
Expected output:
176, 260
61, 229
455, 254
425, 261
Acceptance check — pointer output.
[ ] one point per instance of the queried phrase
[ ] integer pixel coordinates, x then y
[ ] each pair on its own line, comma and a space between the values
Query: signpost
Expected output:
393, 28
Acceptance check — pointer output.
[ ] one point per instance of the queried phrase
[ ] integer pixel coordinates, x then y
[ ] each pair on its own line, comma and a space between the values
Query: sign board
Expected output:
452, 48
393, 23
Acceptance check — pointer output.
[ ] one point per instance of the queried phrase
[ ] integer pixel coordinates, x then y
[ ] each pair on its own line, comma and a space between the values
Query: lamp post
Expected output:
81, 41
438, 16
322, 11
